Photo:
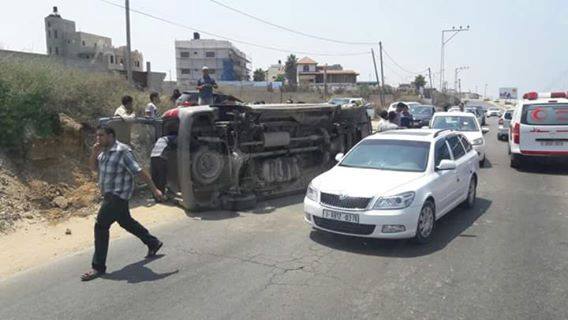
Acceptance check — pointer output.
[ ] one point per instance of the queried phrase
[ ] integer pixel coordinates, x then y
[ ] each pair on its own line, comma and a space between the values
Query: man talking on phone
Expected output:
116, 167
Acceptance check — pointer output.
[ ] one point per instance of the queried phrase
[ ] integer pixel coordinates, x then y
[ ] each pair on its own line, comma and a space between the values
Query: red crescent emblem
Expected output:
538, 114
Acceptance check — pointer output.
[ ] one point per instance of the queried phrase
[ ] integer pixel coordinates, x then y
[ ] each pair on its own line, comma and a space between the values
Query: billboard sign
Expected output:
508, 93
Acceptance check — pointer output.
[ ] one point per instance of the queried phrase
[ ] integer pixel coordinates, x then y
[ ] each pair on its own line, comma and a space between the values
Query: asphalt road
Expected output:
505, 259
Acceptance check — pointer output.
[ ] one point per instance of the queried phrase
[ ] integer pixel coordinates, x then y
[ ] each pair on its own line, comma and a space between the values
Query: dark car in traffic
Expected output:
421, 115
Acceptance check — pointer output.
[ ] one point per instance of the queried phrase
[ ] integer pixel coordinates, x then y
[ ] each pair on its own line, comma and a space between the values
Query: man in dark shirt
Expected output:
205, 85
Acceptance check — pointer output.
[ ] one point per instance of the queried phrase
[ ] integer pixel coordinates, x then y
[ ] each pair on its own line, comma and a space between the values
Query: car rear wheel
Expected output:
482, 161
426, 222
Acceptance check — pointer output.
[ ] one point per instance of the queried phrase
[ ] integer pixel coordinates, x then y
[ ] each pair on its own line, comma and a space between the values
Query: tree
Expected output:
291, 70
258, 75
419, 82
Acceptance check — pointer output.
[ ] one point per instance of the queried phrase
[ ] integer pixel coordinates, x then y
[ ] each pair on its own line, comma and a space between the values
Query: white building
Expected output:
225, 61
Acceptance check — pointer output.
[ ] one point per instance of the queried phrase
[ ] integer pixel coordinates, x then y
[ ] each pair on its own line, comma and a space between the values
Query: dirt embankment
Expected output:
50, 182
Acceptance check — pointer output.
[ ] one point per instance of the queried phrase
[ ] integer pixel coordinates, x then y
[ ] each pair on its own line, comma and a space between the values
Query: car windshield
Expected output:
421, 110
392, 155
457, 123
339, 101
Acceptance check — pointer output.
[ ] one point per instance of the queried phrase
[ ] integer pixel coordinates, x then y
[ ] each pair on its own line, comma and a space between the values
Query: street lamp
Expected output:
453, 32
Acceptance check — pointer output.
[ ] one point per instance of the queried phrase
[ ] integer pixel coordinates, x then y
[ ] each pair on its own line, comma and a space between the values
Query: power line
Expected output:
289, 29
400, 67
177, 24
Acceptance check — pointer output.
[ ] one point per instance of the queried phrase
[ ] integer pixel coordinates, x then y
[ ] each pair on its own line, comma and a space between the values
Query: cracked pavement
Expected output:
505, 259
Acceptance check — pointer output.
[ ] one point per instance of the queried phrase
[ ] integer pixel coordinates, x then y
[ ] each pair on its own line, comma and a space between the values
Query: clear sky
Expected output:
511, 43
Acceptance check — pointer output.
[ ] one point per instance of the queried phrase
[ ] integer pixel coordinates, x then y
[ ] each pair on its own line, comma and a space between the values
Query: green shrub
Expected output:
33, 92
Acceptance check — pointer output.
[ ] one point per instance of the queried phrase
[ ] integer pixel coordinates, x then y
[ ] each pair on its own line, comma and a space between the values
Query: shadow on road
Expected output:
137, 272
545, 166
271, 205
452, 225
487, 164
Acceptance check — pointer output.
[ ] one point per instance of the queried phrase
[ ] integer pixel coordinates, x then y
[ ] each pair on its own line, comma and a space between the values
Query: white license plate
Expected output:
341, 216
552, 143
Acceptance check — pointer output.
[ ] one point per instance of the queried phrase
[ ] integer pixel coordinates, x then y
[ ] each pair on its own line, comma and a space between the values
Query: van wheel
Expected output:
426, 223
482, 162
516, 161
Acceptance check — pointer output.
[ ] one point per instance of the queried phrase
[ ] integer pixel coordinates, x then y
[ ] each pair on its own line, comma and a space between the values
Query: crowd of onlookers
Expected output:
401, 118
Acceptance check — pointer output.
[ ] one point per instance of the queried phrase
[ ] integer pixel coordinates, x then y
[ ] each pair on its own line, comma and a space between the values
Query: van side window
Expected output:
441, 152
457, 148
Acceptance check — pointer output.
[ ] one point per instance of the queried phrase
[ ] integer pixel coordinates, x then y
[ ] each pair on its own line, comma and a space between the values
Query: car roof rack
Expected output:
440, 131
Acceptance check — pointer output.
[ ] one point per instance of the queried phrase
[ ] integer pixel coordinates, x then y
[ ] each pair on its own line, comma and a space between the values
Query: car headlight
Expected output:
312, 193
477, 141
400, 201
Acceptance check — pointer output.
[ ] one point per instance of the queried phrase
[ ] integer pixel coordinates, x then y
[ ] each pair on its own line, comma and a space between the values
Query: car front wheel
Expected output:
426, 222
471, 193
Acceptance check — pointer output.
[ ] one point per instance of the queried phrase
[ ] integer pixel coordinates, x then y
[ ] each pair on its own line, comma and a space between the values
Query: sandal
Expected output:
93, 274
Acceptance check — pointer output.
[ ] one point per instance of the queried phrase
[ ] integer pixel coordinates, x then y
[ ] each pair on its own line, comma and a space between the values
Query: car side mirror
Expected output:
339, 157
446, 165
484, 130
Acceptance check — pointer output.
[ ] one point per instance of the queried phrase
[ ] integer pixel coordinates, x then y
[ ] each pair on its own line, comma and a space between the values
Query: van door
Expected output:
544, 129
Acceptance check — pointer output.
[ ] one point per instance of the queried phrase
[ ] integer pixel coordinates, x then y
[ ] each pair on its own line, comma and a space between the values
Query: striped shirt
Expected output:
117, 167
162, 145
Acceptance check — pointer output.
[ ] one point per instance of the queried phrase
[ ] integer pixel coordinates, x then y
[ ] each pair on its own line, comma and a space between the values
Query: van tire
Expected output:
516, 161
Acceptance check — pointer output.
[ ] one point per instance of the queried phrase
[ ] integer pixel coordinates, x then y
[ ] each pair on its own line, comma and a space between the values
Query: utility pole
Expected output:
454, 31
325, 82
459, 88
457, 70
377, 77
382, 73
430, 76
128, 48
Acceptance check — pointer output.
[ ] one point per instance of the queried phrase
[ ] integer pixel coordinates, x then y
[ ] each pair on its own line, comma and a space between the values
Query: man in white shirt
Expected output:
389, 123
151, 109
126, 110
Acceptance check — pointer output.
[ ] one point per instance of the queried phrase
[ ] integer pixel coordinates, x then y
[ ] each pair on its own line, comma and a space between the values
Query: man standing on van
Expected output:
205, 85
116, 167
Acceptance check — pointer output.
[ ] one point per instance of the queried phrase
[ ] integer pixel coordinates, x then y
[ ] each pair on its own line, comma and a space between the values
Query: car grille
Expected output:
335, 200
343, 226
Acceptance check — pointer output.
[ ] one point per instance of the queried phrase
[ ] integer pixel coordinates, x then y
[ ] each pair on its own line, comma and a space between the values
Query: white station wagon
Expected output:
395, 185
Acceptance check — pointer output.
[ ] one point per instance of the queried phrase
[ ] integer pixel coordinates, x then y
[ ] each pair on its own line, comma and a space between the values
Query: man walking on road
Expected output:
205, 85
116, 167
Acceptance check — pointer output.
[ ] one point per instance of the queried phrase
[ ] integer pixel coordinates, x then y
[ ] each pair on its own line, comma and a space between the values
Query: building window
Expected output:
306, 68
210, 54
82, 42
121, 61
95, 44
137, 63
68, 41
185, 71
211, 71
111, 59
55, 34
49, 24
48, 33
194, 53
184, 54
49, 50
56, 51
